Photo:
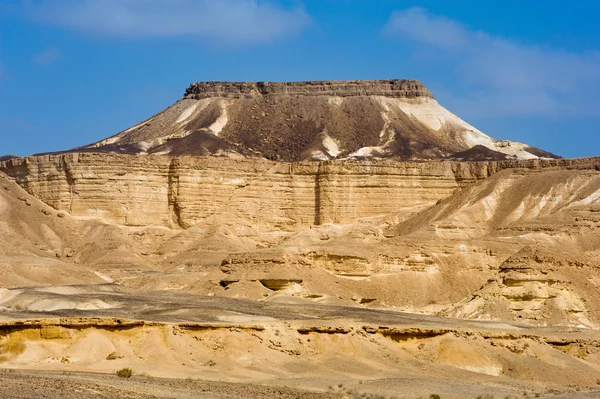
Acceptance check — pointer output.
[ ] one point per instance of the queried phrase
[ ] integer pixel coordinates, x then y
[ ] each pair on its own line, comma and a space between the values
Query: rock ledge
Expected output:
399, 88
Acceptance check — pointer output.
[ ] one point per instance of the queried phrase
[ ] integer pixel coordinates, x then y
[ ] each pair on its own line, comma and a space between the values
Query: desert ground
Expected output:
228, 346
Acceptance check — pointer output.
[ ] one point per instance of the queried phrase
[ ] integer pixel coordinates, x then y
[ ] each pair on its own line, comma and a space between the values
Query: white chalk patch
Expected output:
516, 214
332, 147
319, 156
116, 138
386, 120
335, 101
145, 146
166, 152
136, 126
366, 152
6, 294
489, 370
235, 182
430, 113
588, 200
431, 270
363, 152
104, 277
189, 111
221, 121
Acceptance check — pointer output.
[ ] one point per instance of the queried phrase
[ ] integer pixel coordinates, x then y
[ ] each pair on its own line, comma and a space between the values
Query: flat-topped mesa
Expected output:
317, 120
396, 88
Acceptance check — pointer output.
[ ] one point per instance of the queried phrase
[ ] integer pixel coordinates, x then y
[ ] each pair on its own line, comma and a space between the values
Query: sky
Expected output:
75, 71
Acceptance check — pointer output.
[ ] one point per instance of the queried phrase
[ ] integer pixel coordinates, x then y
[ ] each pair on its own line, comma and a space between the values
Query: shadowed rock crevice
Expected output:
173, 193
317, 219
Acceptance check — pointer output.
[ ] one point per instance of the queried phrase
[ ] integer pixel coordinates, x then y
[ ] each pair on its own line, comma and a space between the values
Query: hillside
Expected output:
321, 120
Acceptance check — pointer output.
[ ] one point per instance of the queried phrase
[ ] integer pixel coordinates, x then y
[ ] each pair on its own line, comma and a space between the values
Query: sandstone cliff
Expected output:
184, 191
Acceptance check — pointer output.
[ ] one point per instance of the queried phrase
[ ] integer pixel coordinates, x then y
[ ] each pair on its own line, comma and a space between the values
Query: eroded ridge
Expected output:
266, 350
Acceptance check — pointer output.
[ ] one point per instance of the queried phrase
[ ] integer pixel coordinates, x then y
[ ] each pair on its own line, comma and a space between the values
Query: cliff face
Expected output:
183, 191
399, 88
300, 121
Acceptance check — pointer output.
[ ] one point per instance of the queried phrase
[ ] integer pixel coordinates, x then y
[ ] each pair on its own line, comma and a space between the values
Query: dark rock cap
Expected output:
402, 88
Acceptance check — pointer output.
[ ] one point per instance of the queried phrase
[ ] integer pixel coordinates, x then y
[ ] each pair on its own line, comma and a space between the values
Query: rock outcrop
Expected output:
184, 191
398, 88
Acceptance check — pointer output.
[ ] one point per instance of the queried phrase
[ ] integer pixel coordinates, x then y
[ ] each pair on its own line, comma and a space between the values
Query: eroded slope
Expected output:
298, 121
240, 291
442, 238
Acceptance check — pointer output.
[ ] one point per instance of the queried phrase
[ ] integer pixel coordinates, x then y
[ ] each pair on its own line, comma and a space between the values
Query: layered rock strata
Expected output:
399, 88
183, 191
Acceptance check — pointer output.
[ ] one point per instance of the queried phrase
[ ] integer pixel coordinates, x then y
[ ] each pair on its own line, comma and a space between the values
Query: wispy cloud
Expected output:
47, 57
227, 21
501, 77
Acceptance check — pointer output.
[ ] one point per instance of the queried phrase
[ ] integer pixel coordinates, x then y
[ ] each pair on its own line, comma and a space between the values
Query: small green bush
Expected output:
125, 372
434, 396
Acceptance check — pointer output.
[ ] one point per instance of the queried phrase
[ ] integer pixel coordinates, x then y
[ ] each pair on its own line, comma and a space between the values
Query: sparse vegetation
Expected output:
354, 394
125, 372
114, 356
434, 396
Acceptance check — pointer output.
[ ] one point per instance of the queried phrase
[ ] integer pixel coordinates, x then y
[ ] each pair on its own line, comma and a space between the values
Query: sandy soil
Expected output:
69, 385
303, 346
32, 385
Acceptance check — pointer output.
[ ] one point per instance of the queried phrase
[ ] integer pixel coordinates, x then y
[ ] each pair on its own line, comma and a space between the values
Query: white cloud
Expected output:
229, 21
501, 77
47, 57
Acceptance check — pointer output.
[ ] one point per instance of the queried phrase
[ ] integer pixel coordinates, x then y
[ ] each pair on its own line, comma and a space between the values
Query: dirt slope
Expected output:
310, 121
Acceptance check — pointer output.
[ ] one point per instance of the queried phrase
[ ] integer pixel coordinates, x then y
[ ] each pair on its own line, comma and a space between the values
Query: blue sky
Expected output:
75, 71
